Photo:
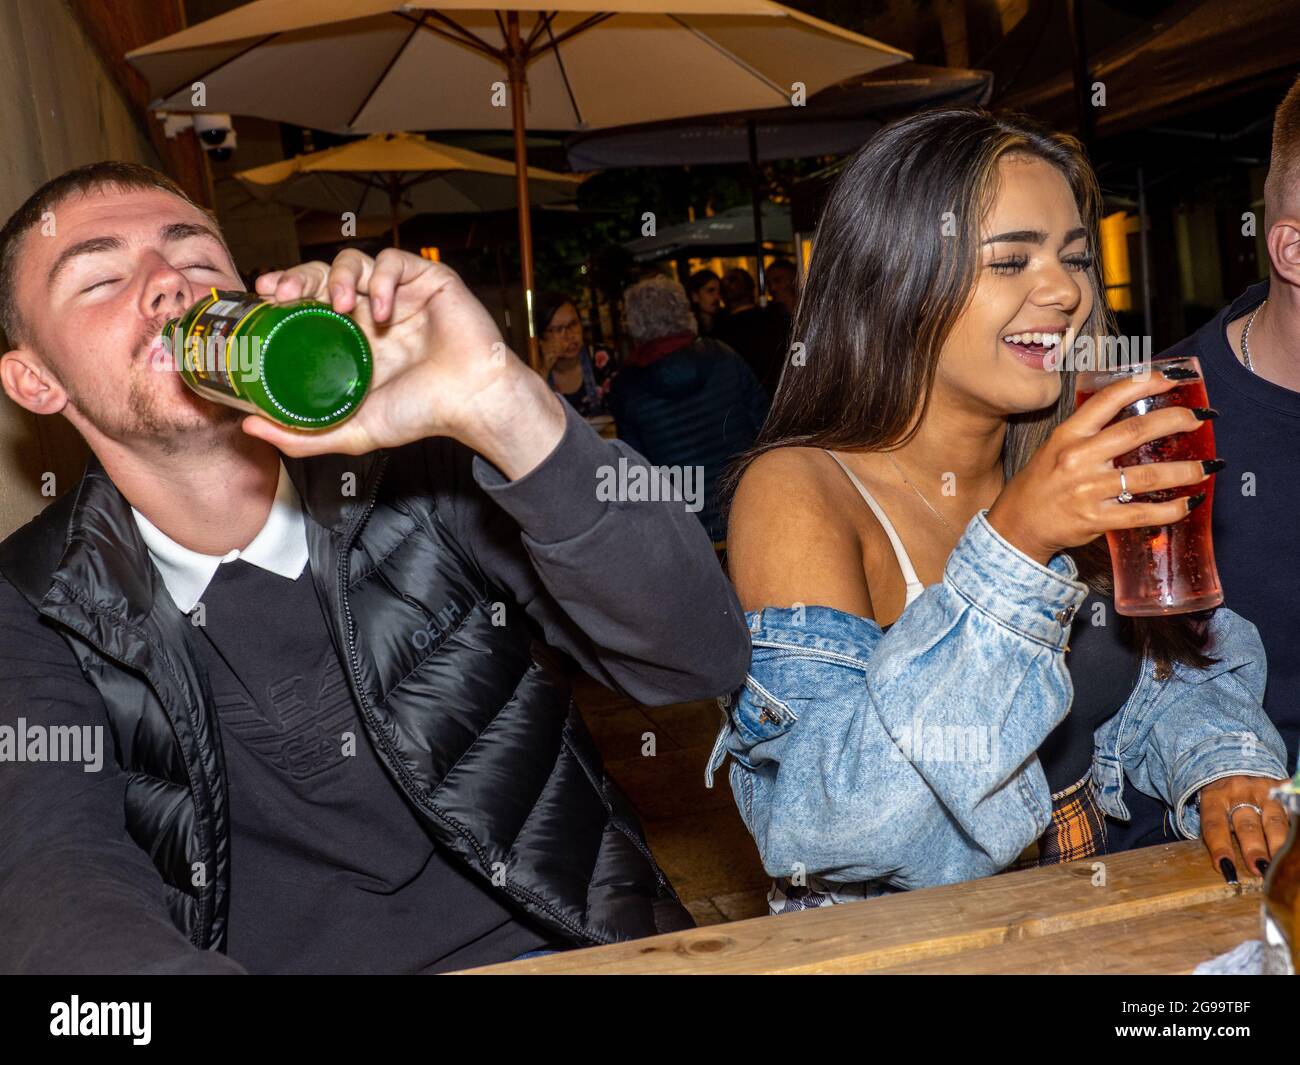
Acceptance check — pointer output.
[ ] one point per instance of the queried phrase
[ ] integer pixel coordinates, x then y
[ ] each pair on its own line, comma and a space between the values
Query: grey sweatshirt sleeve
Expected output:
630, 588
77, 895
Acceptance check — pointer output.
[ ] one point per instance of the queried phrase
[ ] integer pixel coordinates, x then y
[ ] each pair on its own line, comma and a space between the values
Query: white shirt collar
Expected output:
280, 547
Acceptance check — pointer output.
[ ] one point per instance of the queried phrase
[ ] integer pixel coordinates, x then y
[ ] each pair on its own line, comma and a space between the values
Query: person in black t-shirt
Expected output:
1250, 356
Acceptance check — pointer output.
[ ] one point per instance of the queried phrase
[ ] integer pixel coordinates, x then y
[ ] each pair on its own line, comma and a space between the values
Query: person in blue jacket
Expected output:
940, 688
685, 402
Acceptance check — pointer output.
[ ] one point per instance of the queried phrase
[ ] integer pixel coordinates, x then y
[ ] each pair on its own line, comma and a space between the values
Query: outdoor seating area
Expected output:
650, 487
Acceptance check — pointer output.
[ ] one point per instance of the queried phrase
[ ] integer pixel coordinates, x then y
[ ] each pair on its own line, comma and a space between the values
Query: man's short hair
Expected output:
782, 264
82, 179
1282, 187
738, 287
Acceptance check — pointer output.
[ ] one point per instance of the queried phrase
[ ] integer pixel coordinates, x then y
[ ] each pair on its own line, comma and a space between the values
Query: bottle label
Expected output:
1277, 951
214, 353
222, 347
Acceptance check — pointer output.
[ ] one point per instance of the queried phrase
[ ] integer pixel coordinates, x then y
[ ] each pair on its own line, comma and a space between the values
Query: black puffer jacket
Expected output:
475, 724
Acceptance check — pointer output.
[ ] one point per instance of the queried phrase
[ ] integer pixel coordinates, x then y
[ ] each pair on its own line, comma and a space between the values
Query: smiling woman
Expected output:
916, 540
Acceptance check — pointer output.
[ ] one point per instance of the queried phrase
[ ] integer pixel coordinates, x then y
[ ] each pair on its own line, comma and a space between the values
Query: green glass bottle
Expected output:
301, 364
1281, 905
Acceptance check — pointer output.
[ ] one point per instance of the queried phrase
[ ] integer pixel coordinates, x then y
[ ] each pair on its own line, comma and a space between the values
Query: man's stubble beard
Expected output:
149, 416
192, 421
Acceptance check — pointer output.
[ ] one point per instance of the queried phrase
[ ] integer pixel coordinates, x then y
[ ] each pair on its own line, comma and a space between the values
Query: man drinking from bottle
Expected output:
330, 666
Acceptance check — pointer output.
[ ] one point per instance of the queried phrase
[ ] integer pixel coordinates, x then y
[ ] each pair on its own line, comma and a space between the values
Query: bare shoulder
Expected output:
790, 537
787, 476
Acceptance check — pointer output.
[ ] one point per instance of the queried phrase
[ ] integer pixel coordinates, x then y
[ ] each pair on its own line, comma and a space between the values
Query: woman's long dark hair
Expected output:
894, 267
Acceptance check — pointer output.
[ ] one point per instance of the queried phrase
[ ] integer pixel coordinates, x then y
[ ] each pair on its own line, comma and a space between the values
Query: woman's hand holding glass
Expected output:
1067, 494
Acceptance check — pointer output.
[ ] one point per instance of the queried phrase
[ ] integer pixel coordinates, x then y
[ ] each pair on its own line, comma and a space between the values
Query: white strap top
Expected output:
914, 585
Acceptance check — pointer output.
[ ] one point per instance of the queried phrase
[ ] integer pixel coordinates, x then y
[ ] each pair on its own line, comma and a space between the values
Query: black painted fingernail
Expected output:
1195, 501
1262, 866
1180, 373
1212, 465
1203, 413
1228, 869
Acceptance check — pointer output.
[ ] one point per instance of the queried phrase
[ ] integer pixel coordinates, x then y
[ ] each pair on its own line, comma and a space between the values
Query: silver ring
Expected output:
1247, 805
1125, 496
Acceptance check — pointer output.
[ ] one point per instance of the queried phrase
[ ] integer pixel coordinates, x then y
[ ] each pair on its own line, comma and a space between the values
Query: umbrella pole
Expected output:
755, 177
1078, 46
515, 60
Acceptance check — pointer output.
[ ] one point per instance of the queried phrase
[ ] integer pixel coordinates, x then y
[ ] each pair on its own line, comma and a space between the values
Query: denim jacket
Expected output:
908, 758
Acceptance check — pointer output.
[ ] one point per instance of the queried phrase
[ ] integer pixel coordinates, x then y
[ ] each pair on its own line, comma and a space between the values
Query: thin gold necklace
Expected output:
920, 494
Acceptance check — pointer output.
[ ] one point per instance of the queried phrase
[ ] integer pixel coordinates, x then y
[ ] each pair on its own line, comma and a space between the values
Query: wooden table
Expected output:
1161, 910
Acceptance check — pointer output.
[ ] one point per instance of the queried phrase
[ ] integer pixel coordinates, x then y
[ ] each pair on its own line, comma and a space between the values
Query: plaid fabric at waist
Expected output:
1078, 829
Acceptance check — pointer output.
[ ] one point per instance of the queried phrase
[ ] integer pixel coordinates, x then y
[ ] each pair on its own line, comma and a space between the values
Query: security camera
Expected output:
217, 132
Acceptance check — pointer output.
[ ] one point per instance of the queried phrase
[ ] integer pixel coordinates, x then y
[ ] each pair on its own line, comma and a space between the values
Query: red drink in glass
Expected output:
1164, 569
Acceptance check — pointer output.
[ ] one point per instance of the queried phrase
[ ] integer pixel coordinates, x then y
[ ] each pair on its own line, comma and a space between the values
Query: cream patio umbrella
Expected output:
388, 173
367, 66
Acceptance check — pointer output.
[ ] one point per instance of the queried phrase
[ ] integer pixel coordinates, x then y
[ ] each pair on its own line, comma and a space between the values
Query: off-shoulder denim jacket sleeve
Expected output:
909, 757
1174, 736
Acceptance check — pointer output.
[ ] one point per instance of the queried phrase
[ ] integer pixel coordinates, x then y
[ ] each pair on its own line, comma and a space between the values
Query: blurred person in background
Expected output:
705, 291
783, 286
683, 400
758, 334
582, 376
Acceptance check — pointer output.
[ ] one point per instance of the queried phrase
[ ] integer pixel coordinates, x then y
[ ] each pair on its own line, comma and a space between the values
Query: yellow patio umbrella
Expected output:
367, 66
388, 173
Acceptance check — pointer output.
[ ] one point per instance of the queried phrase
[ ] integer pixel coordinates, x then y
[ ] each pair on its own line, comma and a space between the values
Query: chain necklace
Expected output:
1245, 336
920, 494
